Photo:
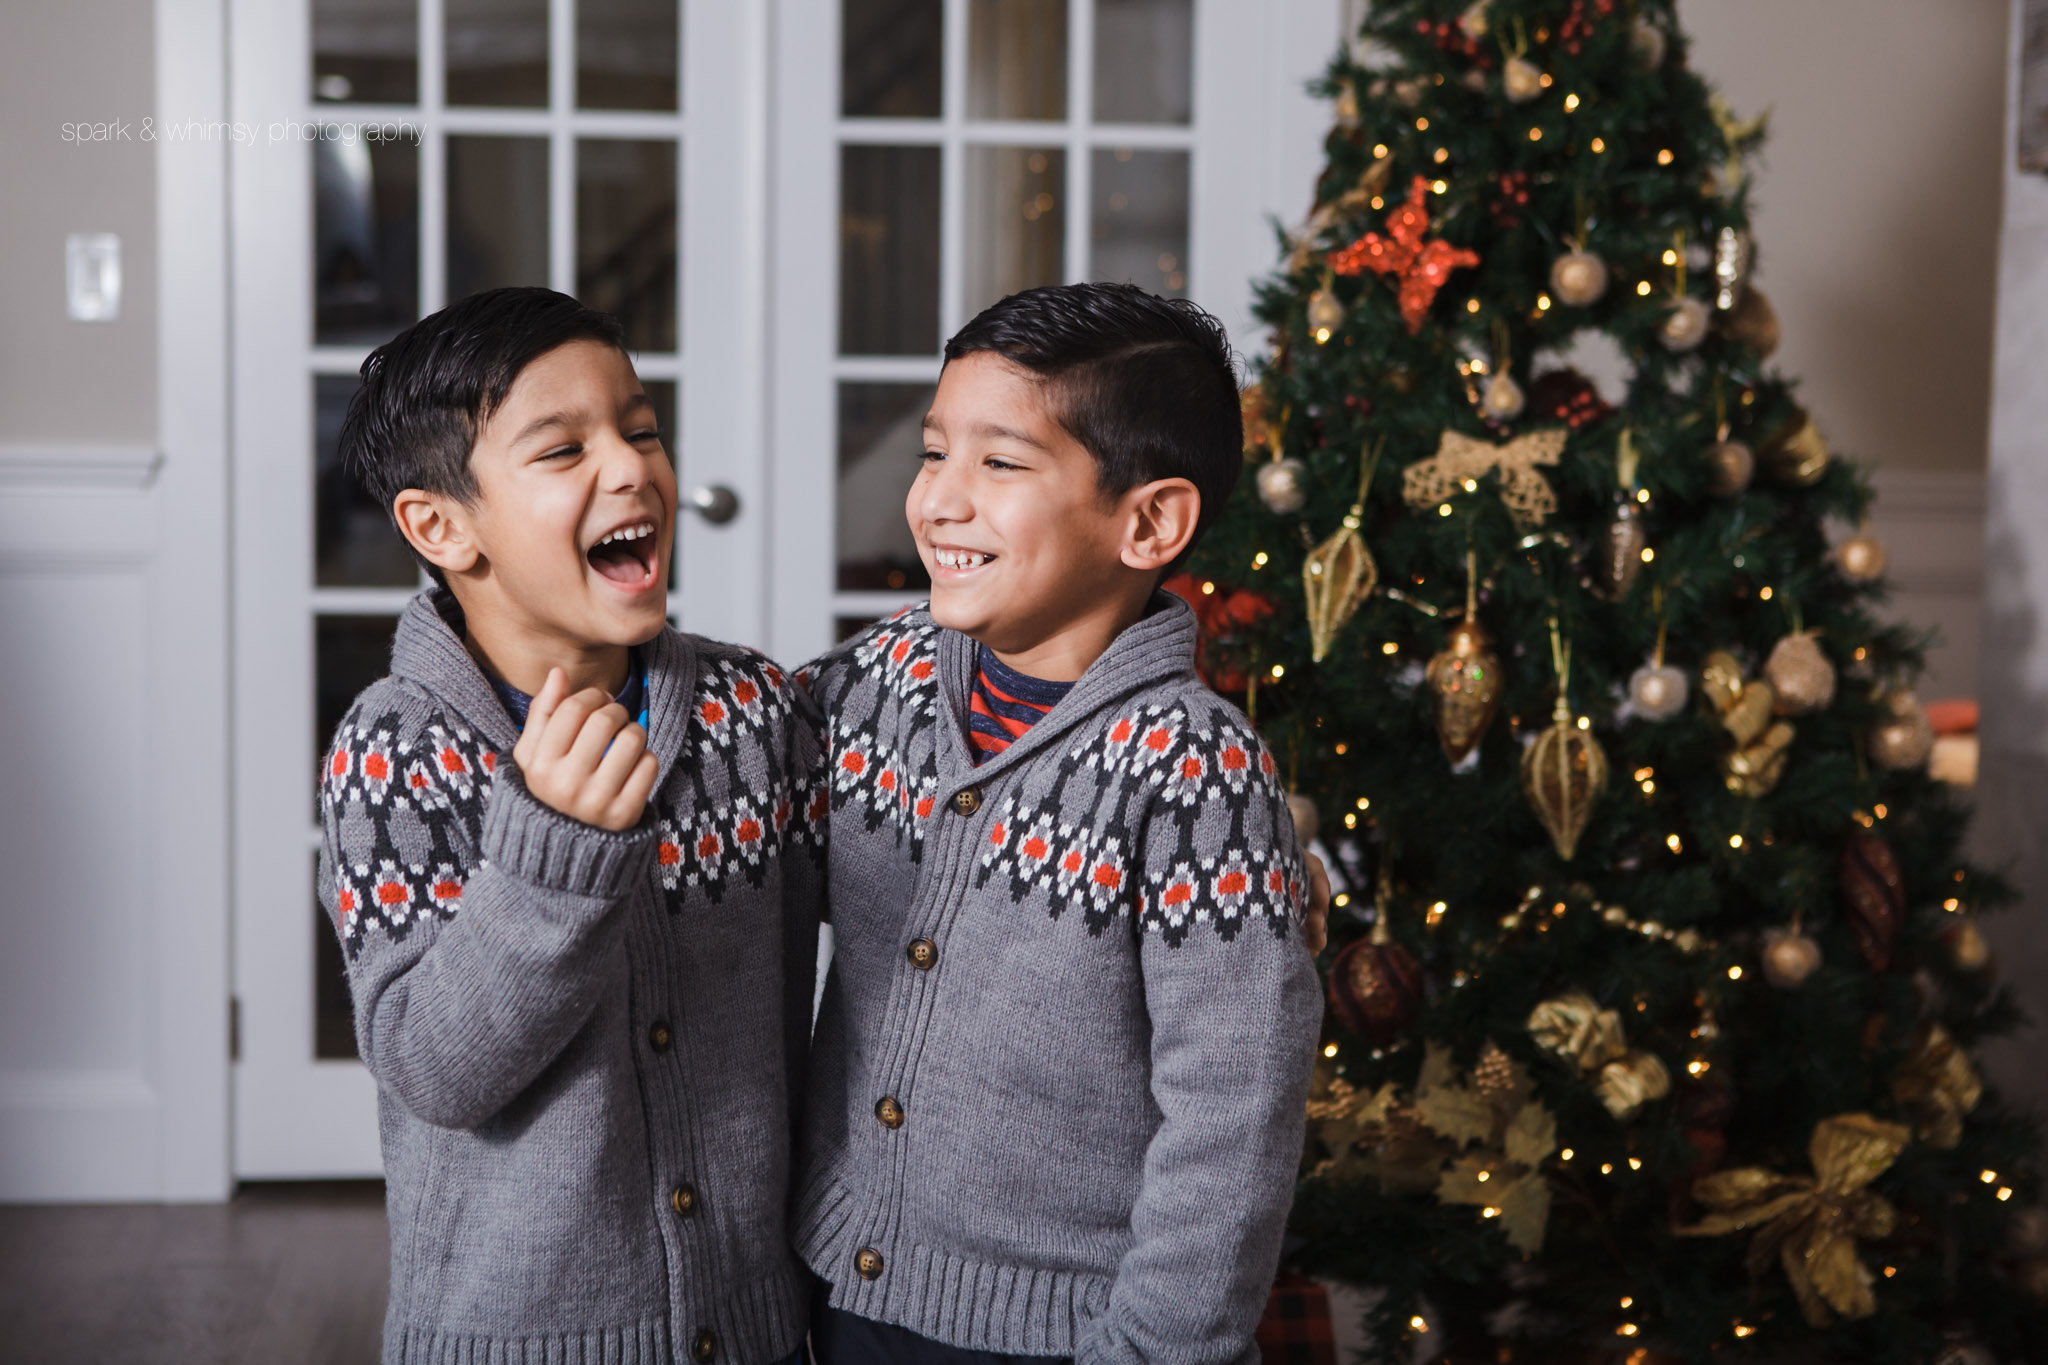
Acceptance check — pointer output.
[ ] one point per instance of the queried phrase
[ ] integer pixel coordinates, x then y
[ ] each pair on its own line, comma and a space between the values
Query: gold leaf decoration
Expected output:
1938, 1086
1810, 1224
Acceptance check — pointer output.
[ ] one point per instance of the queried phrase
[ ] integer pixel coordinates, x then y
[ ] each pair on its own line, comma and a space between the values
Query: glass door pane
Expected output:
366, 51
497, 52
1015, 222
889, 251
626, 54
497, 213
891, 58
1017, 59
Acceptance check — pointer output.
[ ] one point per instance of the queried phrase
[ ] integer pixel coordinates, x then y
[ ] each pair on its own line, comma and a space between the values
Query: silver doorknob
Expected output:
714, 502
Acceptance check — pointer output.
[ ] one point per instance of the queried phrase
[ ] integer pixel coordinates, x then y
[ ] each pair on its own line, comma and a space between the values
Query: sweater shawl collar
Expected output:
1157, 648
428, 650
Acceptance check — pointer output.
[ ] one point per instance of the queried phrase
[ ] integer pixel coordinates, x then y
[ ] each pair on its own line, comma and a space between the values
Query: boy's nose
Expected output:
625, 466
944, 495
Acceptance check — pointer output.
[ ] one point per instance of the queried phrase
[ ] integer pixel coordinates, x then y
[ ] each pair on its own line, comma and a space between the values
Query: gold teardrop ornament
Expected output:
1465, 679
1339, 574
1565, 770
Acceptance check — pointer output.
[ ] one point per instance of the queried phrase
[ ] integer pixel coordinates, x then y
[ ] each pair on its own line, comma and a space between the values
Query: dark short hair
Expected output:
1145, 384
427, 391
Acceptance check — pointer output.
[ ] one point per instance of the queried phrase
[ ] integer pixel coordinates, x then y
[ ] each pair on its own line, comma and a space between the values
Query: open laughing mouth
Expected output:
629, 556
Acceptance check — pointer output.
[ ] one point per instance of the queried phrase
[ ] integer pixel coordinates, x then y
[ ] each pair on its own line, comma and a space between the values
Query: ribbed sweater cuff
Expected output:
541, 846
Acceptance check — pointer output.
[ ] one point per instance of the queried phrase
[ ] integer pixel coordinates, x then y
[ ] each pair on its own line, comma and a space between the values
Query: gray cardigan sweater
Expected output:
585, 1043
1057, 1084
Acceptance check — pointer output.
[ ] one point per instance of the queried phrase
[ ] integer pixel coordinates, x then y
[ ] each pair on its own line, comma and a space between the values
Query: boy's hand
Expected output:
1315, 925
584, 757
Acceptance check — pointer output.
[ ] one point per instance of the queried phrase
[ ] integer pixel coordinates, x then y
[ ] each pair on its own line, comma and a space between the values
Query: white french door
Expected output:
401, 154
790, 203
934, 155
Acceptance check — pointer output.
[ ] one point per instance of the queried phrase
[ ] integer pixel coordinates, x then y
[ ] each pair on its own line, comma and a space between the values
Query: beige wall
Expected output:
65, 382
1877, 207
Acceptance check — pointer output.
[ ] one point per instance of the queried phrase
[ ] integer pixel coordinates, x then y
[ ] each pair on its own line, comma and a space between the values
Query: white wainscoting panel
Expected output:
80, 1110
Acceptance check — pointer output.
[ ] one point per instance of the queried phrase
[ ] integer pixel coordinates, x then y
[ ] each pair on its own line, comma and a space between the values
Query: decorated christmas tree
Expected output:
1655, 971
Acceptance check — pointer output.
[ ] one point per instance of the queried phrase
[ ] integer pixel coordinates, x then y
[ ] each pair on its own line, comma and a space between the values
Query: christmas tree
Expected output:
1655, 969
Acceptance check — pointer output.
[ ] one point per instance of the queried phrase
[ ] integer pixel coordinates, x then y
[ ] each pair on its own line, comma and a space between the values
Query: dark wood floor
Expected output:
282, 1273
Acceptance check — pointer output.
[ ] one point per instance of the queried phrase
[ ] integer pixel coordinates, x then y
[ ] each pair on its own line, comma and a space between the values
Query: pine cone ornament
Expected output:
1873, 897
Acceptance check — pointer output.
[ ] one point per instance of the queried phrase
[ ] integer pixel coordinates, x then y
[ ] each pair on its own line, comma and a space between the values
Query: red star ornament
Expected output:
1422, 267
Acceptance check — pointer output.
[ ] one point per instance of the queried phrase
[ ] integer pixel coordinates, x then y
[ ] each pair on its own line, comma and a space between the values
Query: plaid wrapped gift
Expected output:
1296, 1328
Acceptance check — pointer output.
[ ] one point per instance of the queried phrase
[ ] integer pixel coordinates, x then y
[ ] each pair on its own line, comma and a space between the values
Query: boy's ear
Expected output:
438, 528
1160, 520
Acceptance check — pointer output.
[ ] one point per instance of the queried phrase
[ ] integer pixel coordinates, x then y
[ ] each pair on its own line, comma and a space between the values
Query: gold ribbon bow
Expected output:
1938, 1086
1810, 1224
1575, 1028
1460, 459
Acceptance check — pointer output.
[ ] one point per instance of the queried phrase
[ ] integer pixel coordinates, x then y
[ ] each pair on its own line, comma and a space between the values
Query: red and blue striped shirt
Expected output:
1005, 703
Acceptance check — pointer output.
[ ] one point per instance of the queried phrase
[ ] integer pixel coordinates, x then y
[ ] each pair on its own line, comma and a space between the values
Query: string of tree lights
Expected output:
1655, 973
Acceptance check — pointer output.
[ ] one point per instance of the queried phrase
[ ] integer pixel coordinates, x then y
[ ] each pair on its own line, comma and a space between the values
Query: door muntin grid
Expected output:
977, 157
539, 142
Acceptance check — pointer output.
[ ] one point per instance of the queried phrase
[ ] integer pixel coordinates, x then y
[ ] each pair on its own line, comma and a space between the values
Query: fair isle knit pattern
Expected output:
586, 1043
1057, 1086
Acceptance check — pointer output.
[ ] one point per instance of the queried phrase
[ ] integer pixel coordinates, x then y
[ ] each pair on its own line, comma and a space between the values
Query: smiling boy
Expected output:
568, 856
1058, 1077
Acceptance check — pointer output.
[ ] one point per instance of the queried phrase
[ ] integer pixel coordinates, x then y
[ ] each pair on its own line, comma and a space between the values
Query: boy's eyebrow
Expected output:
931, 423
542, 423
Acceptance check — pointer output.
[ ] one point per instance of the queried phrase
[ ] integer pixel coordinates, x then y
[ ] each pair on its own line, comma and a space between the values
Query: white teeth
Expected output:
960, 559
625, 533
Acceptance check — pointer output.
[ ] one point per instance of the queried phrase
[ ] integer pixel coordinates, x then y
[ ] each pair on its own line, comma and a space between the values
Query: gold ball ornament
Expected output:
1579, 278
1685, 326
1967, 946
1502, 399
1465, 679
1789, 957
1308, 821
1796, 453
1752, 321
1801, 678
1730, 467
1521, 80
1325, 314
1862, 558
1905, 738
1474, 21
1658, 691
1282, 485
1649, 45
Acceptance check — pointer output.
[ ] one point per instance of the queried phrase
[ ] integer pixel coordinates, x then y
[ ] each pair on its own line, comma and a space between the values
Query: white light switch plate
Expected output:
92, 274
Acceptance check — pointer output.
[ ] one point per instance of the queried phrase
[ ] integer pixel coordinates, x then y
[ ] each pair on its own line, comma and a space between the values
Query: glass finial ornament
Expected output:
1565, 770
1623, 542
1340, 573
1464, 678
